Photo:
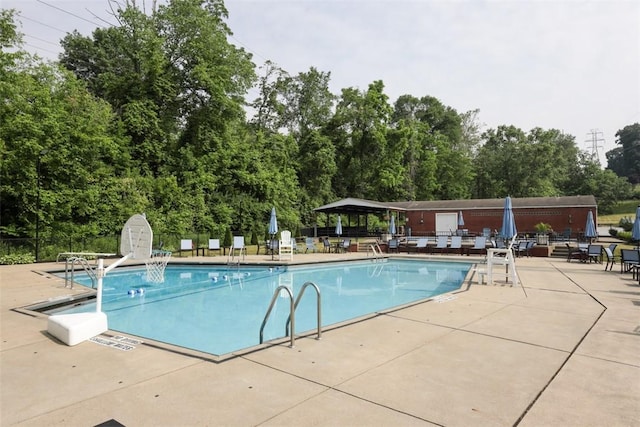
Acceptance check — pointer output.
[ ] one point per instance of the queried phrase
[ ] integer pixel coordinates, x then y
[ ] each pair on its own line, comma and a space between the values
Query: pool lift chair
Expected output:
74, 328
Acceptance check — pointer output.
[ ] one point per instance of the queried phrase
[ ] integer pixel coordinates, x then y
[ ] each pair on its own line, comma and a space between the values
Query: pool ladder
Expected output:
292, 310
87, 268
375, 250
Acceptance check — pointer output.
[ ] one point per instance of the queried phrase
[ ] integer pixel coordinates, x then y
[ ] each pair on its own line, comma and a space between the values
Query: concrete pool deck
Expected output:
566, 354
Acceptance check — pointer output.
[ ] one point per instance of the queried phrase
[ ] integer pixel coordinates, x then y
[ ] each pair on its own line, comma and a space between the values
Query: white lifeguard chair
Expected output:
501, 257
285, 246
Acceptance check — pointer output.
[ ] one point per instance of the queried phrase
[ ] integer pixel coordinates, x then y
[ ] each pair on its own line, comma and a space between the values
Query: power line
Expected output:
43, 24
69, 13
42, 40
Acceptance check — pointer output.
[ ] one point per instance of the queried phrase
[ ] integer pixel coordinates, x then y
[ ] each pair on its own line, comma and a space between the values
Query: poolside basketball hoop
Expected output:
73, 328
156, 265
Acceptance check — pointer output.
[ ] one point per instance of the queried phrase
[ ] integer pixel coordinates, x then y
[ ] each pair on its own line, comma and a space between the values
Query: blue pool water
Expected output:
219, 309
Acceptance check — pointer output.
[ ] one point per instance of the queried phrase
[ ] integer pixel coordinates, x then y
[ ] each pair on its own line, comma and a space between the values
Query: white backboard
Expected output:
136, 238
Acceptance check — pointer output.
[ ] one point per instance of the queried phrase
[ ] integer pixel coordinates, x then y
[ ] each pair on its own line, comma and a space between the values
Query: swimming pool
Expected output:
219, 309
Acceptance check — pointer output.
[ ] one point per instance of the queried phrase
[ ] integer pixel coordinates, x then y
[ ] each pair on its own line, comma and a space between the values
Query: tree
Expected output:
625, 160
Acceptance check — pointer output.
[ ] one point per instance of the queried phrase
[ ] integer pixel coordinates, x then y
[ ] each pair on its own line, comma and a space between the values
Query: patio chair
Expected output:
343, 246
326, 244
594, 253
521, 248
628, 259
393, 245
610, 259
310, 245
574, 253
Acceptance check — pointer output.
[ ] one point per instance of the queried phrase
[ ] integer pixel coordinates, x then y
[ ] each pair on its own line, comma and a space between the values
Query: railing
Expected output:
318, 308
85, 265
375, 251
292, 310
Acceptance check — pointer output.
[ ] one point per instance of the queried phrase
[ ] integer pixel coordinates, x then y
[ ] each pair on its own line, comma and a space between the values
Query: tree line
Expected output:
152, 116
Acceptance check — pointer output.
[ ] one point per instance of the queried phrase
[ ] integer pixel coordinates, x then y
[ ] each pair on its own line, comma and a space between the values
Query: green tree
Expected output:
625, 160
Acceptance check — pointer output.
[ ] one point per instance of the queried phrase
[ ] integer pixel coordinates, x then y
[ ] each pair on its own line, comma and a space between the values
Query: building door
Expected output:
446, 223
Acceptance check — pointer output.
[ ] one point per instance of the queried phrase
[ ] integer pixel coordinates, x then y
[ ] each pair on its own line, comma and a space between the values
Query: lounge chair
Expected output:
441, 244
456, 244
594, 253
479, 246
285, 247
393, 245
421, 244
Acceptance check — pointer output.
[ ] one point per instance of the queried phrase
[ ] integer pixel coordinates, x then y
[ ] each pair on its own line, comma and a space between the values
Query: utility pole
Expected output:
595, 140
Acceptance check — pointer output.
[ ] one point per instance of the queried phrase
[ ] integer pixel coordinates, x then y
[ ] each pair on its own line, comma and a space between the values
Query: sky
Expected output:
569, 65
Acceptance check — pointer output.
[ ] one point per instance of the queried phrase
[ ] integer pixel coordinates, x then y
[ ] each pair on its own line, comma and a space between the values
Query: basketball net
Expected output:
156, 265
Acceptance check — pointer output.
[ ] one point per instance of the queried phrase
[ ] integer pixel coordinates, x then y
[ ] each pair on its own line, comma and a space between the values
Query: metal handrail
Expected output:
87, 268
375, 249
318, 308
291, 313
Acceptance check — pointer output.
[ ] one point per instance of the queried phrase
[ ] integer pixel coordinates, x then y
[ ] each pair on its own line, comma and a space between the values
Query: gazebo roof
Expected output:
359, 206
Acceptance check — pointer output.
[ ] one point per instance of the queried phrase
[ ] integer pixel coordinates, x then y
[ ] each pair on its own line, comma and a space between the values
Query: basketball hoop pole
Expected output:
101, 272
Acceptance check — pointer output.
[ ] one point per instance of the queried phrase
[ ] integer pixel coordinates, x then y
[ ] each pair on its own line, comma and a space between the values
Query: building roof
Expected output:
362, 206
518, 203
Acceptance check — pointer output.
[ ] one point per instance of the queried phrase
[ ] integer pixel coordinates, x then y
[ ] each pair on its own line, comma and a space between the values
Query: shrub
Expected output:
613, 232
624, 235
23, 258
626, 223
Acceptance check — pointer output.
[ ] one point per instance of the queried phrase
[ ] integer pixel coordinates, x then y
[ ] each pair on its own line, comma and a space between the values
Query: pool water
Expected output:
219, 309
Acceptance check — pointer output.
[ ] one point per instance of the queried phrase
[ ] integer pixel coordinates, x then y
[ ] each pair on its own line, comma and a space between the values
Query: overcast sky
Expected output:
568, 65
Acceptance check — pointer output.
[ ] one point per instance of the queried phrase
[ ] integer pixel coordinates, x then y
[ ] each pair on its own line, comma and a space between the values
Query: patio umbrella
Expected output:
392, 226
590, 229
339, 226
635, 231
273, 228
508, 230
460, 219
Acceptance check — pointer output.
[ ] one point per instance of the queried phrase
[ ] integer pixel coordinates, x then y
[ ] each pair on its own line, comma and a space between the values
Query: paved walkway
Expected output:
566, 354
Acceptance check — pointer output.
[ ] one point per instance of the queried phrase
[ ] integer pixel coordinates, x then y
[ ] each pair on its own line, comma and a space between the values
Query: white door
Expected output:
446, 223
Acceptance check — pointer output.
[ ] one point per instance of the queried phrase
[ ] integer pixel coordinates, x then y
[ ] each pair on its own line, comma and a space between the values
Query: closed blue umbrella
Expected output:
590, 228
273, 222
460, 219
508, 230
339, 226
635, 231
273, 230
392, 226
